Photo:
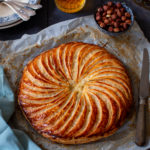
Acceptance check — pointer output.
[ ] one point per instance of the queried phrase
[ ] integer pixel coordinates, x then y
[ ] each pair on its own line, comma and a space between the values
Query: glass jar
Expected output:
70, 6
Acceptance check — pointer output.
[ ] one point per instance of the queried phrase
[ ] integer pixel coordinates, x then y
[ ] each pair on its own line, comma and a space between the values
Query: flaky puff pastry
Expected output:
75, 93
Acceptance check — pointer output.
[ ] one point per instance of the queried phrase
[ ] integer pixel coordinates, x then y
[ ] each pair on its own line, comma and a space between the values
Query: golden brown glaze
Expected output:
75, 93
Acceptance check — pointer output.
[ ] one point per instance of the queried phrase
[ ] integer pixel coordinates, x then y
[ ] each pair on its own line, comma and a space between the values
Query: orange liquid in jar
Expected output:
70, 6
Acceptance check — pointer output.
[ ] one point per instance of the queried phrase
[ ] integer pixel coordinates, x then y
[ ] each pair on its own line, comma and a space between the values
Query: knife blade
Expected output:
143, 95
144, 82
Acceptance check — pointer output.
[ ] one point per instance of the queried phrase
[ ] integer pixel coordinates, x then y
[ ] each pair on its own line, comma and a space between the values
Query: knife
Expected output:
143, 95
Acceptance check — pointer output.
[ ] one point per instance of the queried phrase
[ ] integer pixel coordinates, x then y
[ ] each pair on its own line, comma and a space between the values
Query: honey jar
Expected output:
70, 6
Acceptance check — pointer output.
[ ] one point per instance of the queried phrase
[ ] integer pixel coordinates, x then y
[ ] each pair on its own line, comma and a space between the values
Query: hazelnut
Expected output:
108, 16
127, 15
110, 20
106, 21
116, 24
123, 18
119, 13
121, 24
100, 9
97, 14
125, 25
112, 9
113, 16
105, 7
116, 29
102, 25
128, 22
116, 9
103, 18
110, 29
118, 5
109, 3
122, 9
98, 18
104, 14
109, 11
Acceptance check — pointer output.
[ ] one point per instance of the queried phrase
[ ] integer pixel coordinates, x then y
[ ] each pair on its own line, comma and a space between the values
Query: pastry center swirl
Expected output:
77, 86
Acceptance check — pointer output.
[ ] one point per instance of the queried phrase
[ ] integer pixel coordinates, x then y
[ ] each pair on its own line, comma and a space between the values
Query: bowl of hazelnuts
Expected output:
114, 18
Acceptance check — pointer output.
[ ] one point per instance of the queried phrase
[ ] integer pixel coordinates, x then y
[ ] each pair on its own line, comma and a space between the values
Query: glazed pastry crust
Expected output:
75, 93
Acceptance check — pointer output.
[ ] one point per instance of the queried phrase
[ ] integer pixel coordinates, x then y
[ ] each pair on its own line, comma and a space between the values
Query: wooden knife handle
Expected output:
141, 123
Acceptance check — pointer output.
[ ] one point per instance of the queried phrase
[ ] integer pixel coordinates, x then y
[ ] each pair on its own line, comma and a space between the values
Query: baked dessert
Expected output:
75, 93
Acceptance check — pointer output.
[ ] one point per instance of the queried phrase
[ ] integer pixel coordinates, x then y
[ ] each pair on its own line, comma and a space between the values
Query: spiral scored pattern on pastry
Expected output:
75, 93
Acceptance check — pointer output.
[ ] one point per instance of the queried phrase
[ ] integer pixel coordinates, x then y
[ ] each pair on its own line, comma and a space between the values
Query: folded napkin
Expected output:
10, 139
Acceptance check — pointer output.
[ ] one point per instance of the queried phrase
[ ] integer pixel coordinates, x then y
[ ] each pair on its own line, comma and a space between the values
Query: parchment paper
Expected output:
14, 55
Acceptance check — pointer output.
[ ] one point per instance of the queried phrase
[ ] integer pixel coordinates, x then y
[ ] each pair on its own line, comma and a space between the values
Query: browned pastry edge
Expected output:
80, 140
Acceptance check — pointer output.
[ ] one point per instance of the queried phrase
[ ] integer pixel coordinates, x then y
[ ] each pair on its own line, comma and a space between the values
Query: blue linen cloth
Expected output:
10, 139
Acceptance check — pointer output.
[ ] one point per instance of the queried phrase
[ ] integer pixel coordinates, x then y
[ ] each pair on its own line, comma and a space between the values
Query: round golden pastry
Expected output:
75, 93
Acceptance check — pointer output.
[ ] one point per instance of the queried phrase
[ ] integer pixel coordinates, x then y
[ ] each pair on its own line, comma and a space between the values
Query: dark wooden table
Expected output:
49, 15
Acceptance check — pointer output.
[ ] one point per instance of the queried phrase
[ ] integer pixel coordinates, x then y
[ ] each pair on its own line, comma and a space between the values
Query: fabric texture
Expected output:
10, 139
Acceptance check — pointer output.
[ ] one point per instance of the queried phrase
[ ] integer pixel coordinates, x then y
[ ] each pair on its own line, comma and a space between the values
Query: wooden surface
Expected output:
49, 15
